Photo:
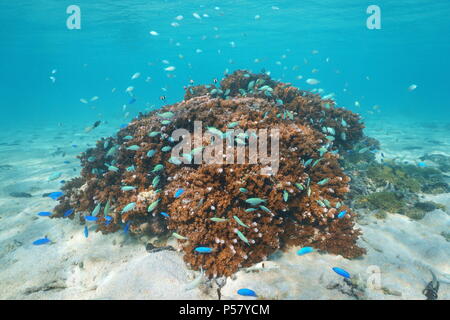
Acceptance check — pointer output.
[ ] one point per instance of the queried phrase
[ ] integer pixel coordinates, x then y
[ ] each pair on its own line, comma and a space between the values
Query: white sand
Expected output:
117, 266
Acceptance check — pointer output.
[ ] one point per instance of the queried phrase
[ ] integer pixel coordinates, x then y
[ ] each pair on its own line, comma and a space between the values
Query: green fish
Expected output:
196, 150
151, 153
242, 237
250, 209
155, 181
127, 188
178, 236
133, 148
113, 168
232, 125
243, 190
322, 182
106, 209
175, 161
215, 219
239, 221
215, 131
285, 195
309, 191
127, 137
111, 151
165, 122
153, 134
265, 209
166, 115
255, 201
300, 186
166, 149
152, 206
96, 209
157, 168
129, 207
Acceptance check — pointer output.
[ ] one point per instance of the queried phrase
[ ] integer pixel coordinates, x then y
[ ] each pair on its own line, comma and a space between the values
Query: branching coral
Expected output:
136, 176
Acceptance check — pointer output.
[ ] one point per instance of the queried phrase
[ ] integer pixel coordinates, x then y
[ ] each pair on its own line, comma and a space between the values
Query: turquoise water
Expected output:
411, 47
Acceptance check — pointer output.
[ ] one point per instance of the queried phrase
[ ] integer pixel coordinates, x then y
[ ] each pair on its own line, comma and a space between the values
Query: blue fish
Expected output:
41, 241
86, 231
44, 214
108, 220
66, 162
165, 214
90, 218
56, 195
341, 272
127, 226
124, 125
179, 193
246, 292
74, 146
68, 212
305, 250
133, 100
422, 164
342, 214
62, 181
203, 250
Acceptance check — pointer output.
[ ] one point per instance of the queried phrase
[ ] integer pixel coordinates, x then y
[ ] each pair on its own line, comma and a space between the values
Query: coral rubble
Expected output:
132, 179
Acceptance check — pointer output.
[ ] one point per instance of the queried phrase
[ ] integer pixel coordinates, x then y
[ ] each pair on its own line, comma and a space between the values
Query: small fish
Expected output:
54, 176
322, 182
178, 193
44, 214
178, 236
285, 196
113, 168
203, 250
304, 251
129, 207
165, 214
151, 153
125, 229
243, 190
422, 164
127, 188
68, 212
341, 272
170, 68
246, 292
265, 209
215, 131
166, 149
239, 221
136, 75
312, 81
106, 209
242, 237
342, 214
96, 209
41, 241
133, 148
215, 219
412, 87
157, 168
154, 33
152, 206
166, 115
196, 282
300, 186
86, 231
232, 125
155, 181
90, 218
255, 201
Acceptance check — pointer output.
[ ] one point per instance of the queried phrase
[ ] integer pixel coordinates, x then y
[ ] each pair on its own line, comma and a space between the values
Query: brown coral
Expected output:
301, 200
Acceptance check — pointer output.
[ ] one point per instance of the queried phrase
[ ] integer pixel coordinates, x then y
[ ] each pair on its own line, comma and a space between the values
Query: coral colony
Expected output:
233, 209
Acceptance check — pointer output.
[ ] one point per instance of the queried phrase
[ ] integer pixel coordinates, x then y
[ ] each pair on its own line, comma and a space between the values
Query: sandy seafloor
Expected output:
117, 266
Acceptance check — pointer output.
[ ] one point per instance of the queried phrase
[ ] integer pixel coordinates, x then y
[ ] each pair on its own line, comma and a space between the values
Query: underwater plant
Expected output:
226, 215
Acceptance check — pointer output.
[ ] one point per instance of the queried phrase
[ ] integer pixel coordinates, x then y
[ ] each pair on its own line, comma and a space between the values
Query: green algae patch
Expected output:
408, 178
385, 201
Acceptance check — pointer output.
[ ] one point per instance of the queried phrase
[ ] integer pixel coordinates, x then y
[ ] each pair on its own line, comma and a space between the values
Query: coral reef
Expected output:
132, 180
